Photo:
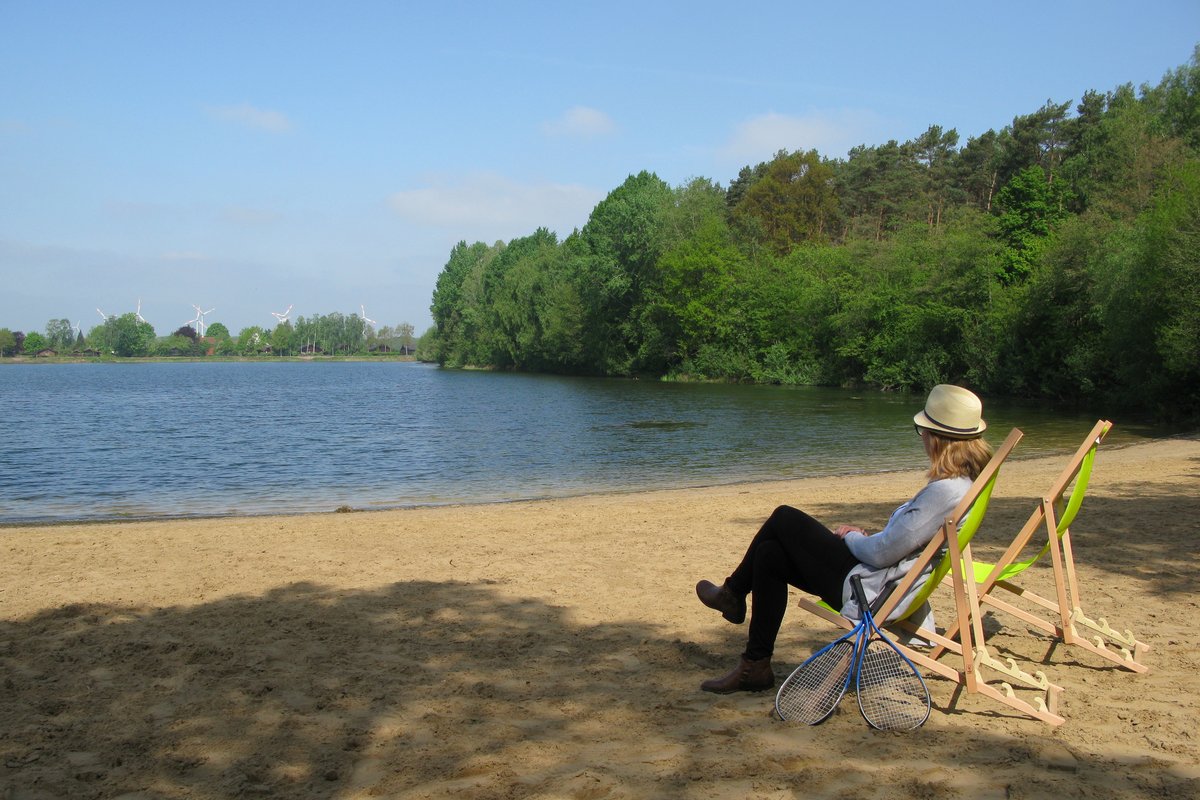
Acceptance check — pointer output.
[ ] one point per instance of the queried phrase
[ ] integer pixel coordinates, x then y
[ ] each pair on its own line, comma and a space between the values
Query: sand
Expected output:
554, 650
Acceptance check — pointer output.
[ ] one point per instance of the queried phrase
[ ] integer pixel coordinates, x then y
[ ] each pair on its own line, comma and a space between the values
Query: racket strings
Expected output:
812, 692
891, 694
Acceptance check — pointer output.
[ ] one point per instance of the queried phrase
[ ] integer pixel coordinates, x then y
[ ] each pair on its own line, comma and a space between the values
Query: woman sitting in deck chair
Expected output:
793, 548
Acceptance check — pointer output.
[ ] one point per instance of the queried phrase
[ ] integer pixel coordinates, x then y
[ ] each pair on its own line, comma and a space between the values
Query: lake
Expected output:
156, 440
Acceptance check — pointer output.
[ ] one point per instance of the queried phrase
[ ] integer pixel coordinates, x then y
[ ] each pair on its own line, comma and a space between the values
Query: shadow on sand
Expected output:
440, 690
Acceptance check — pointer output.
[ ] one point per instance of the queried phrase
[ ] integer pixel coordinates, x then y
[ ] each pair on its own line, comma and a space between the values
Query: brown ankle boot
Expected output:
731, 605
747, 676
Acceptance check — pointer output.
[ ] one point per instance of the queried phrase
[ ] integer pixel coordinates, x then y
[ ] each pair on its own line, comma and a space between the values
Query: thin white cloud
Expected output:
250, 217
832, 133
487, 206
580, 122
187, 256
248, 116
15, 126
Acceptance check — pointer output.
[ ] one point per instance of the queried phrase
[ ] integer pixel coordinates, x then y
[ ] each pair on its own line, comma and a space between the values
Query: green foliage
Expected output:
177, 345
978, 169
123, 336
1055, 258
458, 304
616, 269
283, 339
127, 336
691, 300
1150, 299
1176, 103
35, 343
879, 188
1171, 262
1030, 205
1034, 140
1054, 332
252, 341
513, 284
217, 331
398, 339
332, 334
60, 335
427, 346
793, 202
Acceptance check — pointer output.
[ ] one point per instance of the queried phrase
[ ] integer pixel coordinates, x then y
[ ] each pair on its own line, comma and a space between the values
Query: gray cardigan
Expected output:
886, 556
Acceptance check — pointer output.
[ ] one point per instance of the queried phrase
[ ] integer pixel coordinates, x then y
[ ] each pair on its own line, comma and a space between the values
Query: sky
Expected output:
249, 156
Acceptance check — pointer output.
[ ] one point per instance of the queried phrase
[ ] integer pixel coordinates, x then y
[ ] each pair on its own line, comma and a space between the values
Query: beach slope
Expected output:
554, 650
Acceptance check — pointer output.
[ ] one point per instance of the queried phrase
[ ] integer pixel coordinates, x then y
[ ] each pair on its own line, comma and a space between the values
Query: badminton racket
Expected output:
813, 690
892, 695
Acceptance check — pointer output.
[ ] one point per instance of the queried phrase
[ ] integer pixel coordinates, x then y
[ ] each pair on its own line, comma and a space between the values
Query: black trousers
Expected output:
791, 548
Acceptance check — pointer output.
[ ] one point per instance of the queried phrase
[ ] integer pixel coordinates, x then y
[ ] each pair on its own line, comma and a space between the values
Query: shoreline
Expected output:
554, 648
622, 492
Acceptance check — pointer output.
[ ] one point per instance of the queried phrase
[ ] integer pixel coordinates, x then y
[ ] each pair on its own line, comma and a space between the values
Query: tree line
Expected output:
1056, 258
127, 335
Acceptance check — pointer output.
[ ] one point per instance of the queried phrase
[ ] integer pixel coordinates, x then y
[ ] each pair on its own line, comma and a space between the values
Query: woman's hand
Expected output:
841, 530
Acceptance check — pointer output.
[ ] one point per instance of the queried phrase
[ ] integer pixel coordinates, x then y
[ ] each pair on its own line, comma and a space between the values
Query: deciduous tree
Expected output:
794, 202
59, 334
35, 343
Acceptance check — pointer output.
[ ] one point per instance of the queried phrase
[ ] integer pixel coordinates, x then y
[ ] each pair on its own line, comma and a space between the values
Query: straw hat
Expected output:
952, 411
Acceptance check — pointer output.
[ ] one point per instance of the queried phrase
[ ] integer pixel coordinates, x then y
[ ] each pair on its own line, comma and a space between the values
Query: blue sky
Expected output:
247, 156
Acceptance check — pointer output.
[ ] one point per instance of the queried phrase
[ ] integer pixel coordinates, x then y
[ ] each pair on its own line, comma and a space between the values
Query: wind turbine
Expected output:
138, 313
363, 309
281, 318
103, 316
199, 320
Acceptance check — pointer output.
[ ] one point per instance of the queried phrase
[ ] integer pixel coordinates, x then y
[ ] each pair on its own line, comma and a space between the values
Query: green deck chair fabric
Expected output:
1066, 517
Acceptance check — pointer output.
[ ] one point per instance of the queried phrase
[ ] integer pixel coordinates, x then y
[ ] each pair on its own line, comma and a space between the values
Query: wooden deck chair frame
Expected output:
1121, 648
950, 552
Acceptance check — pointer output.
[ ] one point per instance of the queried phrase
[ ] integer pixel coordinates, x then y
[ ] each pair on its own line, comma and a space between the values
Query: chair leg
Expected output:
1128, 647
1060, 570
975, 655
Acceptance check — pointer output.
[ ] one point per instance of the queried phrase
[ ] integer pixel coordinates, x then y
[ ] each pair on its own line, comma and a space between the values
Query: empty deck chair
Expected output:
1062, 616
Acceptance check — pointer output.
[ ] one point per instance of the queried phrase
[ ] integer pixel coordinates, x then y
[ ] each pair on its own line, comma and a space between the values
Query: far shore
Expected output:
189, 359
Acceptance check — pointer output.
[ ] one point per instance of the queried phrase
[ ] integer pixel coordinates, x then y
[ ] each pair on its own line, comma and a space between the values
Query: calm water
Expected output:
91, 441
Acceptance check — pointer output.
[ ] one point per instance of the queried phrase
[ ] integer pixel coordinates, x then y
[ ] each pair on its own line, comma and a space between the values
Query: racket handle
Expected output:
861, 598
856, 587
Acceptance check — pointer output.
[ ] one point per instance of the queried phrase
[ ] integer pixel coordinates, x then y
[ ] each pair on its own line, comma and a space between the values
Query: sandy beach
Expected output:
555, 649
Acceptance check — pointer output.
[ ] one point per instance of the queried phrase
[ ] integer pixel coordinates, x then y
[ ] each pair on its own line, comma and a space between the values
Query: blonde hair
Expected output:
955, 458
